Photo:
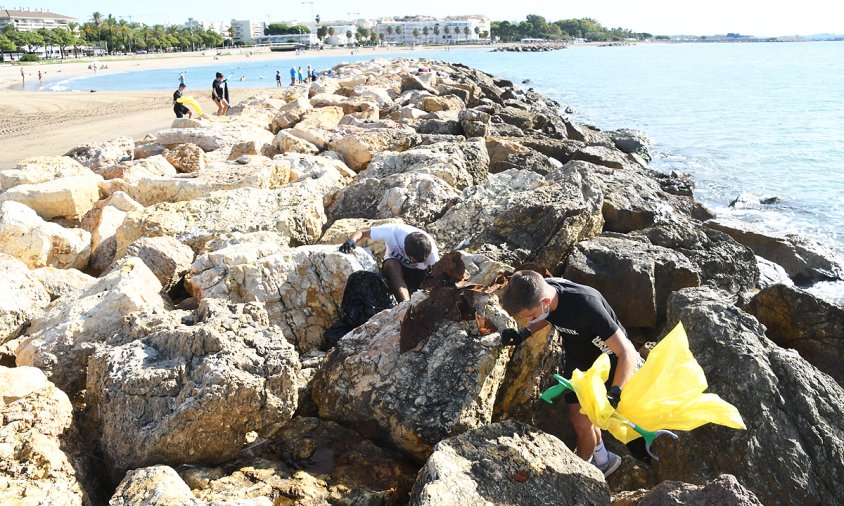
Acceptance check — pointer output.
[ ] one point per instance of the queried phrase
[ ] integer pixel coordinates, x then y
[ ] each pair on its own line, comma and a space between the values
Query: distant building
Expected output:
450, 30
28, 21
219, 27
246, 30
305, 39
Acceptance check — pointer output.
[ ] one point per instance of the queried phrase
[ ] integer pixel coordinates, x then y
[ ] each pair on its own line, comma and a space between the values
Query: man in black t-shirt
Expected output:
179, 108
589, 327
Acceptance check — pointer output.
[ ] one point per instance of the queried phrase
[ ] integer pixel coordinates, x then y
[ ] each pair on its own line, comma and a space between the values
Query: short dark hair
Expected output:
182, 85
219, 74
417, 246
524, 291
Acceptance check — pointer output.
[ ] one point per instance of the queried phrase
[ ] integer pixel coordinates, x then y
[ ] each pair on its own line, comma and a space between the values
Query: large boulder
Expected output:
359, 148
41, 169
507, 463
24, 296
37, 243
636, 277
794, 443
321, 118
60, 340
723, 262
221, 135
293, 211
291, 113
258, 172
68, 197
102, 221
413, 383
317, 174
37, 439
186, 158
519, 216
167, 387
796, 319
61, 282
285, 142
153, 486
803, 259
102, 155
166, 257
507, 154
301, 288
153, 166
723, 491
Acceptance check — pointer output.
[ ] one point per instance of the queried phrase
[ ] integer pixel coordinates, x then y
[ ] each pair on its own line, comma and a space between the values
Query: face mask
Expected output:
545, 312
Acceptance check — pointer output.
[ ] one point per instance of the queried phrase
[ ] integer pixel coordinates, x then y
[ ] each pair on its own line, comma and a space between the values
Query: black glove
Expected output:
614, 395
347, 246
514, 337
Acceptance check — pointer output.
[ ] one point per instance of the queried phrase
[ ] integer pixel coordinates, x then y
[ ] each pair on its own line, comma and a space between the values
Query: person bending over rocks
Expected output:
410, 253
589, 327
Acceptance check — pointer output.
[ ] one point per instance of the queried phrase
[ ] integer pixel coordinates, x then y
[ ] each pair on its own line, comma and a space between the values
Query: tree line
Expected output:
111, 35
537, 27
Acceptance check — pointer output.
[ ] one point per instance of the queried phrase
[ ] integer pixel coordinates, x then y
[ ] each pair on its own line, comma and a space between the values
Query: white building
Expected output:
451, 30
305, 39
28, 21
246, 30
219, 27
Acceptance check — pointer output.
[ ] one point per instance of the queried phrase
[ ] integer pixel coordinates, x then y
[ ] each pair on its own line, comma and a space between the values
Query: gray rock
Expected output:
797, 319
723, 491
102, 155
166, 257
793, 446
803, 259
443, 385
180, 388
634, 276
507, 463
153, 486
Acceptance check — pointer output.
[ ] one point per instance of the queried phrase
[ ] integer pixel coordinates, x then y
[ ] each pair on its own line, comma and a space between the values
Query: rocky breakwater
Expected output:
531, 48
175, 291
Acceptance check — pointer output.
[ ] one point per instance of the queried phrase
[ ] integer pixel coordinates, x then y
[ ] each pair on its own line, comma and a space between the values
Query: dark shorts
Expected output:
180, 110
412, 277
570, 396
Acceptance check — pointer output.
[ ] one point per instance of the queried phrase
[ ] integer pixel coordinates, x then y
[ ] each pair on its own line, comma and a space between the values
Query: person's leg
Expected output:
586, 432
413, 278
392, 270
225, 104
219, 107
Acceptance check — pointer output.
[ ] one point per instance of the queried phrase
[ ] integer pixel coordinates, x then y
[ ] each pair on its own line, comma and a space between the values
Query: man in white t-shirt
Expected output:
410, 252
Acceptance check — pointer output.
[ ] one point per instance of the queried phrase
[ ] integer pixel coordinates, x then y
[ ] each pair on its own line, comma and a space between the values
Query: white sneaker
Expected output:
609, 467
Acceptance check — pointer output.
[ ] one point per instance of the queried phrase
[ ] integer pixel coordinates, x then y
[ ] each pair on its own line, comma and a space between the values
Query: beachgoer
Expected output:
278, 78
292, 76
179, 108
589, 327
39, 75
313, 75
220, 94
410, 252
308, 74
181, 78
299, 75
23, 75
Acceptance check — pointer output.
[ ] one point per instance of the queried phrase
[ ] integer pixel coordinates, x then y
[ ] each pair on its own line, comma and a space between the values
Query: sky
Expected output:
658, 17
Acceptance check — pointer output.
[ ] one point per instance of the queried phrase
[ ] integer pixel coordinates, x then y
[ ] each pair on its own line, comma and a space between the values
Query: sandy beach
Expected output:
50, 123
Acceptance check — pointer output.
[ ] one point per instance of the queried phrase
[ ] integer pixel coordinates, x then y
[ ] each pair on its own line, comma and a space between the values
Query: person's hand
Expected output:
513, 337
347, 246
614, 395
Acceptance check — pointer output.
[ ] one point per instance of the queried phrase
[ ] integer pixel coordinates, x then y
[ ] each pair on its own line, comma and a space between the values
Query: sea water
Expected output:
749, 121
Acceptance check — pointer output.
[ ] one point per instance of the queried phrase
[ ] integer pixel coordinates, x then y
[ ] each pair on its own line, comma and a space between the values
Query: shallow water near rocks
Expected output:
752, 120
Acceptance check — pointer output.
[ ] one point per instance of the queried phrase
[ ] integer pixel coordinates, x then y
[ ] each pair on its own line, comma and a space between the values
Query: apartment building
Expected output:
247, 30
28, 21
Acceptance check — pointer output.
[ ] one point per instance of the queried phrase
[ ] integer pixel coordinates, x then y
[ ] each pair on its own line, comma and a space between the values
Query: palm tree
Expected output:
331, 31
97, 17
477, 30
425, 32
232, 33
446, 31
348, 37
437, 33
416, 35
399, 31
72, 27
466, 32
390, 31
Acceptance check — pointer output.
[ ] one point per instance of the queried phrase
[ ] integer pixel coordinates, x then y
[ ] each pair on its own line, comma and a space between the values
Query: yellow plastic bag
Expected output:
666, 393
191, 102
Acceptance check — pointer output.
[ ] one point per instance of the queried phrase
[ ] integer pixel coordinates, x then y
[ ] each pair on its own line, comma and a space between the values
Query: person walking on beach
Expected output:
292, 76
589, 327
278, 79
179, 108
308, 75
313, 75
23, 75
39, 75
220, 94
181, 78
299, 77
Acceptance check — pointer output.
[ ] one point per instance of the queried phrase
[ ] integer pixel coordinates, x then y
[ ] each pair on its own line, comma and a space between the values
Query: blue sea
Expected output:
747, 120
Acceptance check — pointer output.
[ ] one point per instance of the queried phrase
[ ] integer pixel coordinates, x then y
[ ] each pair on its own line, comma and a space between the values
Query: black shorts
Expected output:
180, 110
412, 277
570, 396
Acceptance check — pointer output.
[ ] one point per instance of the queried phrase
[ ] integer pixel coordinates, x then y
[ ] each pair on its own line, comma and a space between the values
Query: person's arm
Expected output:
627, 355
357, 235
